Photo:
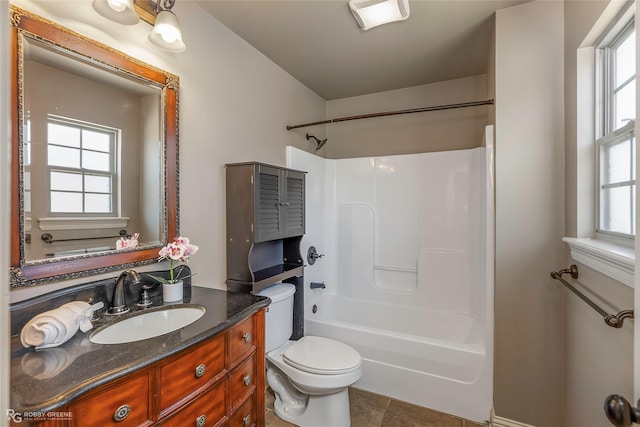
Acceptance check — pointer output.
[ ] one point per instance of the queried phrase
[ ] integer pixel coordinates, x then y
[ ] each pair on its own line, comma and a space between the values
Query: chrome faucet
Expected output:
118, 304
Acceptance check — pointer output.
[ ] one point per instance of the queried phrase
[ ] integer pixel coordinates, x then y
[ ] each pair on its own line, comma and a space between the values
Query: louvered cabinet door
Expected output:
293, 203
269, 220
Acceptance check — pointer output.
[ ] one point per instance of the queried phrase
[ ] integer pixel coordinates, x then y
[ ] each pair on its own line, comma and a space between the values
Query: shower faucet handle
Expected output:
313, 255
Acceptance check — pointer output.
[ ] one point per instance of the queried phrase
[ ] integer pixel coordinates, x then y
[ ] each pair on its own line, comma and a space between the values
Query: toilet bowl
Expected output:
310, 377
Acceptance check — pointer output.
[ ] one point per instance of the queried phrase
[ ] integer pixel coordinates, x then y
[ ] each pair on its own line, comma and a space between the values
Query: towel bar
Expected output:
613, 320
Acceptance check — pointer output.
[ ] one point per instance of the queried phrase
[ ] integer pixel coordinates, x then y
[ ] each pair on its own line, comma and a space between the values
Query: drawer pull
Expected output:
200, 370
246, 421
121, 413
247, 379
247, 336
201, 420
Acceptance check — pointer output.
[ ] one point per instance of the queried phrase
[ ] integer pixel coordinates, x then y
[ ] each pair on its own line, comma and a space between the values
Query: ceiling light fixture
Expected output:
120, 11
166, 32
371, 13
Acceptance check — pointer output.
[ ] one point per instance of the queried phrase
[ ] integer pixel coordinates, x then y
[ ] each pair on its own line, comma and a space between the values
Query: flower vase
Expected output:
172, 292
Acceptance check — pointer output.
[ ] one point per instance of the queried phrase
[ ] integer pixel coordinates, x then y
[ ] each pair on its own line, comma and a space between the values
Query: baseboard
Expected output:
505, 422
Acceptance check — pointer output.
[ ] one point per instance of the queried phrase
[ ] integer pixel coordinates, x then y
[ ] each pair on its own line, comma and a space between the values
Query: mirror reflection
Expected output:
95, 155
92, 157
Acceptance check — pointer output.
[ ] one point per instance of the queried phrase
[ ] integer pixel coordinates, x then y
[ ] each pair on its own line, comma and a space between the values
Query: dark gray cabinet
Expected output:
278, 204
265, 224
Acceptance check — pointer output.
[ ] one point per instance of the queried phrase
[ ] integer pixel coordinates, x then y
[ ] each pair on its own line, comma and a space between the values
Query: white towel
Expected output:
55, 327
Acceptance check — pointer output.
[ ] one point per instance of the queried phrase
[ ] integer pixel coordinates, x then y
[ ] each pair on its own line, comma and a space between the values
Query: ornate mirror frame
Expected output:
29, 273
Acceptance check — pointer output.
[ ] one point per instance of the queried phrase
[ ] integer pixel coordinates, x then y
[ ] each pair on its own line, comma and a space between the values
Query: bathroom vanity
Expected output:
209, 373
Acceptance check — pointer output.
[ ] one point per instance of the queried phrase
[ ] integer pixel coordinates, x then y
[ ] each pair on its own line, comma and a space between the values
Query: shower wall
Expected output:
407, 244
405, 232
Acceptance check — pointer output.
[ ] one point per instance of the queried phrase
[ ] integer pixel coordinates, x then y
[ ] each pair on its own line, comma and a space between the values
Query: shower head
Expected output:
319, 143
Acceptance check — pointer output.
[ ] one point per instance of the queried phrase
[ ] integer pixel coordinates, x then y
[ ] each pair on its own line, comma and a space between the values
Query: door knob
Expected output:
620, 412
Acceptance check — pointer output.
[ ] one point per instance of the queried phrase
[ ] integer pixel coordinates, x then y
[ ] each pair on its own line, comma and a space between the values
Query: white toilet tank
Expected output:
279, 317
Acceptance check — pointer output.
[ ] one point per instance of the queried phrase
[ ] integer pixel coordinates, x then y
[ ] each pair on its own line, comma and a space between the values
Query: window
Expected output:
615, 142
81, 168
26, 161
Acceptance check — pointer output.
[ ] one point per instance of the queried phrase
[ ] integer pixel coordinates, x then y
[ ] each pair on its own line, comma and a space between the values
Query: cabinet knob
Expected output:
200, 370
247, 379
246, 421
201, 420
246, 337
121, 413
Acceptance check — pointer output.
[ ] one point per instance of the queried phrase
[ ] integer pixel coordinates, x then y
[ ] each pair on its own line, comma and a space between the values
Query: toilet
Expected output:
310, 377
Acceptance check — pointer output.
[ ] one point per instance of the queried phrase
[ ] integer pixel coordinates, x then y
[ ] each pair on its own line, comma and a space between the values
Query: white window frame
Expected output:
606, 254
605, 123
112, 173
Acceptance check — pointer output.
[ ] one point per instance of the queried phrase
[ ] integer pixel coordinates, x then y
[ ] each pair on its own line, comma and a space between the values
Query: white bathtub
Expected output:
408, 269
429, 358
441, 344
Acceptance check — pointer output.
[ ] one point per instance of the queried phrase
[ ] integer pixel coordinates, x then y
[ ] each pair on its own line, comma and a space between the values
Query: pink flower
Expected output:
124, 243
179, 250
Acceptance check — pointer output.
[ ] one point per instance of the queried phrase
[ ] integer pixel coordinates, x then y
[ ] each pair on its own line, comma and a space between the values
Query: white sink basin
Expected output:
147, 324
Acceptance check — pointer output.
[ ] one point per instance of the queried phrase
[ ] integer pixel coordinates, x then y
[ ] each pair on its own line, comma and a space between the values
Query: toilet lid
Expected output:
320, 355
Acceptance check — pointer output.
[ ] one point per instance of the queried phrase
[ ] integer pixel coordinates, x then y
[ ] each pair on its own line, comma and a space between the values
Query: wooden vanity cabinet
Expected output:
219, 382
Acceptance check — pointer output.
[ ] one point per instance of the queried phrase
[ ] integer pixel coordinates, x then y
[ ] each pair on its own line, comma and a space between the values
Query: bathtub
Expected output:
430, 358
408, 269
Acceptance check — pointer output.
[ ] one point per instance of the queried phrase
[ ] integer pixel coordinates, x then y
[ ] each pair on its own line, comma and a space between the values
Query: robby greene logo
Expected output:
18, 417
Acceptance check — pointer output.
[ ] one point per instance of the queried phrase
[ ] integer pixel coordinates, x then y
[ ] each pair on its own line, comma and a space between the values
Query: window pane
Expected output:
625, 104
63, 135
616, 210
96, 161
66, 202
27, 201
97, 184
626, 59
97, 203
633, 209
616, 164
66, 181
98, 141
61, 156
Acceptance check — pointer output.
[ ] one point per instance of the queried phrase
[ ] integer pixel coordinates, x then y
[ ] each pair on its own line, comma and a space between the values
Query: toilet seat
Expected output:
319, 355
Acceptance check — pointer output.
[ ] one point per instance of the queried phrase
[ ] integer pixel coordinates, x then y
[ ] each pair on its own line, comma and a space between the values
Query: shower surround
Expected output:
408, 269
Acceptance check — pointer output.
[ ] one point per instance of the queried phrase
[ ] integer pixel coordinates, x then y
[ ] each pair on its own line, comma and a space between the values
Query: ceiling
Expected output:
319, 43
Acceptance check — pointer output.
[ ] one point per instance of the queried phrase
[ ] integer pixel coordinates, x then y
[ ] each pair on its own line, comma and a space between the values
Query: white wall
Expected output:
529, 313
234, 106
409, 133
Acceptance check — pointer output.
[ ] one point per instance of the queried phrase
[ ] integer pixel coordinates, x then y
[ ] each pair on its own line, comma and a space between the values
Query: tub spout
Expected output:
316, 285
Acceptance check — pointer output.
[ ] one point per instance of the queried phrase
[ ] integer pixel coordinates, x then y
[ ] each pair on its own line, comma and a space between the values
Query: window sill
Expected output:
615, 261
53, 224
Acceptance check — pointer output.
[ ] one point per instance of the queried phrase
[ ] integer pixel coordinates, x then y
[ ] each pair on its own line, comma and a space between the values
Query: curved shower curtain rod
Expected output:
395, 113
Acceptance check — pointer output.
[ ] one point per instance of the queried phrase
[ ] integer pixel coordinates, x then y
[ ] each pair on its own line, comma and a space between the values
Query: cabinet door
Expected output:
293, 203
268, 224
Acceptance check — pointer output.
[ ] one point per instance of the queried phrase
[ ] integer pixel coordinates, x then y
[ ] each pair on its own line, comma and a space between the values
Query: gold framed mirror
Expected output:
94, 155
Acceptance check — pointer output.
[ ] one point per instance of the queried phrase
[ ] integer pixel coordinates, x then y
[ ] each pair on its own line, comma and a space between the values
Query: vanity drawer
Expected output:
242, 381
206, 411
189, 373
241, 339
124, 404
245, 416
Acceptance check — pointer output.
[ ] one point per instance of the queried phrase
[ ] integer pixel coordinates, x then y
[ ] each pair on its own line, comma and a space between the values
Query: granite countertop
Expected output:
48, 379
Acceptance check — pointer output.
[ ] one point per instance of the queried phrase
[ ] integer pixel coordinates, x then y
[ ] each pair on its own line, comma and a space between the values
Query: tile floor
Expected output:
374, 410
